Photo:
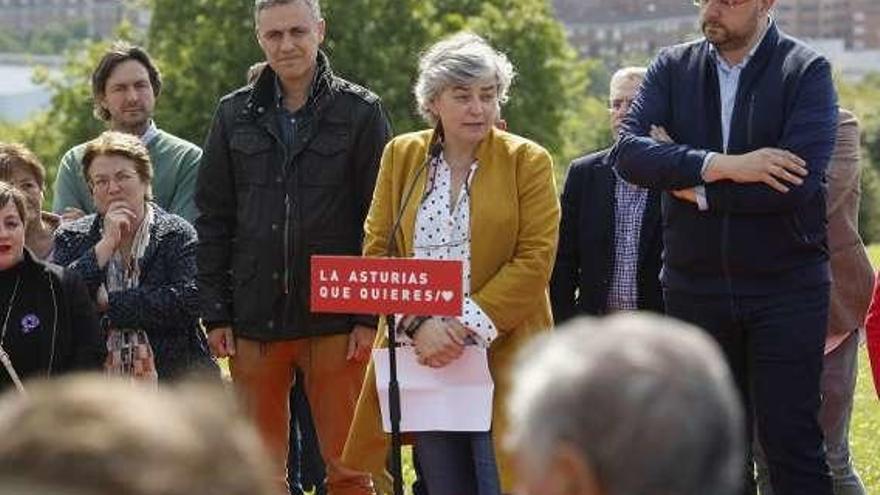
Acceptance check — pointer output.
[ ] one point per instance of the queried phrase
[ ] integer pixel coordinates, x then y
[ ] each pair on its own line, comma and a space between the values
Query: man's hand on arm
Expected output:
777, 168
689, 194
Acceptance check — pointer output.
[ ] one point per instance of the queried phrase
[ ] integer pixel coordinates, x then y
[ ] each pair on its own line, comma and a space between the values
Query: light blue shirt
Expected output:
728, 85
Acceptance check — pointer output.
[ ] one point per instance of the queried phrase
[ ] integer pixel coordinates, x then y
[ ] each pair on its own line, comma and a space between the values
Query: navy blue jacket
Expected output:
165, 304
586, 255
752, 240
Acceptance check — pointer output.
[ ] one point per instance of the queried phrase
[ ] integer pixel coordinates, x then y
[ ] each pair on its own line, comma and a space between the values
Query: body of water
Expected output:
20, 97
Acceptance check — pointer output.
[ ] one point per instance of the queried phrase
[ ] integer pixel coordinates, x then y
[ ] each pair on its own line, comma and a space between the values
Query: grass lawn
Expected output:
865, 428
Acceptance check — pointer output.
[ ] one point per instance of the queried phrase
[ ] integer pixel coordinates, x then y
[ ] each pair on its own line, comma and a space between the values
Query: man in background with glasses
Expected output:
609, 237
752, 113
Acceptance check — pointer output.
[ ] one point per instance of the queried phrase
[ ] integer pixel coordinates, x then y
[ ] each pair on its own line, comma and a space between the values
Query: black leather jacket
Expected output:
266, 207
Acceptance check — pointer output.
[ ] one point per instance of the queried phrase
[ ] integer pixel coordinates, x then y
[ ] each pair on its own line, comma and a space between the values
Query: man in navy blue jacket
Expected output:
609, 237
752, 114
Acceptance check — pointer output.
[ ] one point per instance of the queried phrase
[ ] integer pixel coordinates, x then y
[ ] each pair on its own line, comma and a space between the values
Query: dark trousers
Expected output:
305, 468
457, 463
774, 346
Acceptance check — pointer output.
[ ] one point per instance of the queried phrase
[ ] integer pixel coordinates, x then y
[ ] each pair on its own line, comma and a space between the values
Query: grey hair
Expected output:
627, 74
261, 5
647, 401
461, 59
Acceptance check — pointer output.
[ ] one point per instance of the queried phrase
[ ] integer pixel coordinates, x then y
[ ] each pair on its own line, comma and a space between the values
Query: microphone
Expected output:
434, 151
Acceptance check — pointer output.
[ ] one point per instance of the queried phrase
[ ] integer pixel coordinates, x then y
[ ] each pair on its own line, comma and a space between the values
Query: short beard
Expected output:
135, 128
728, 41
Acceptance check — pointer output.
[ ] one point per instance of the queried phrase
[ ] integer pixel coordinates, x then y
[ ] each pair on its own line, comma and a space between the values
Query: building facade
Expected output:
866, 24
616, 30
101, 17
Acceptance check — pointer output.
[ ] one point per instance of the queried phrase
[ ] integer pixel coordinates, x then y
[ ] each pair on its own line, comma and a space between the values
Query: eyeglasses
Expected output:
618, 104
730, 4
121, 179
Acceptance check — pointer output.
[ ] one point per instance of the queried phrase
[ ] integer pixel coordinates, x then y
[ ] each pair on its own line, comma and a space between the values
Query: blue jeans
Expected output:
774, 345
457, 463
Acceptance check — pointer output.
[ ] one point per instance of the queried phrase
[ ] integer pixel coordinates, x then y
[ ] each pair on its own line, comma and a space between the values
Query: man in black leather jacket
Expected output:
288, 172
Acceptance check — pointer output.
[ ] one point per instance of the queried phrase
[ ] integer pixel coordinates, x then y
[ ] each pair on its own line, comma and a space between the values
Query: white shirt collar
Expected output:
151, 133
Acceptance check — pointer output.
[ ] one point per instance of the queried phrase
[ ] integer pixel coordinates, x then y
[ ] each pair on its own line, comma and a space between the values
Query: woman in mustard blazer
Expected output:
487, 198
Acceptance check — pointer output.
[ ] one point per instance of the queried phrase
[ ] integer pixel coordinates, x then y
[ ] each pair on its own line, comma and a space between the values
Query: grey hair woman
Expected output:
488, 199
138, 262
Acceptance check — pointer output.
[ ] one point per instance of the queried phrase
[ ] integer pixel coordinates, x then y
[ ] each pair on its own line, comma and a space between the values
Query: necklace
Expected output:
9, 309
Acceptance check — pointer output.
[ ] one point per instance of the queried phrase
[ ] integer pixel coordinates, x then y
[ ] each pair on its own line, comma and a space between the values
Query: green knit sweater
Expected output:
175, 169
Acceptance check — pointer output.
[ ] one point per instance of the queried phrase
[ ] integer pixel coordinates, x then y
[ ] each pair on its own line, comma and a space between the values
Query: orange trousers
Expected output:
263, 373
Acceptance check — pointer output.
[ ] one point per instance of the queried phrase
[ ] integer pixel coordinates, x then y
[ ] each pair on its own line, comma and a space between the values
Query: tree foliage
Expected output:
204, 47
50, 39
862, 99
375, 43
69, 119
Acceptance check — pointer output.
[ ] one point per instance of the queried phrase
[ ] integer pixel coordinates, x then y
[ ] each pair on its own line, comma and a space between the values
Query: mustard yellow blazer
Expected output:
514, 228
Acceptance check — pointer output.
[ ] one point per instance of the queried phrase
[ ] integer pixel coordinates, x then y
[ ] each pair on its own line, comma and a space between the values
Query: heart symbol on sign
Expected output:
447, 295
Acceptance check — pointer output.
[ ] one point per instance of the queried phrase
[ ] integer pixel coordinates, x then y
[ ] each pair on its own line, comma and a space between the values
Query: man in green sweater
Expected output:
125, 86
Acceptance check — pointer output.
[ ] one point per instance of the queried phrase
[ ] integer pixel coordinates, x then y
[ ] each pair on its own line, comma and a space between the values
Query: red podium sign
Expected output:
351, 284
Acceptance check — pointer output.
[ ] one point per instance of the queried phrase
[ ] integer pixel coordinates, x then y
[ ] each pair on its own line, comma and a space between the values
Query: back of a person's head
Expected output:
92, 435
646, 402
19, 487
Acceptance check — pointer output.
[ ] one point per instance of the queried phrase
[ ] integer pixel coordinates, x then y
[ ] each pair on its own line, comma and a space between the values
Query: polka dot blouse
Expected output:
442, 232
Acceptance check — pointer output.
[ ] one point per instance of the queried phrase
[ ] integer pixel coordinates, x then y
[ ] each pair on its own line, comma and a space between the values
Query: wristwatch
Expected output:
414, 324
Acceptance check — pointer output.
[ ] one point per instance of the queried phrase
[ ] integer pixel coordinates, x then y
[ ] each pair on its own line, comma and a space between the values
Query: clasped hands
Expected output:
440, 341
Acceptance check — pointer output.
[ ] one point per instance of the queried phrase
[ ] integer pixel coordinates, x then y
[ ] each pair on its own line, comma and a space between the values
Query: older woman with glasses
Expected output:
139, 264
487, 198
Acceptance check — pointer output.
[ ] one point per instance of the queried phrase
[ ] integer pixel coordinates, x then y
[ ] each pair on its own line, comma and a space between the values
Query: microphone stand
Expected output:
394, 407
393, 385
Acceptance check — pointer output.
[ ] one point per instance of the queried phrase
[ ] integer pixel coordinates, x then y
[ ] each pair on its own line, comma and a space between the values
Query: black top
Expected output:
52, 326
165, 303
587, 245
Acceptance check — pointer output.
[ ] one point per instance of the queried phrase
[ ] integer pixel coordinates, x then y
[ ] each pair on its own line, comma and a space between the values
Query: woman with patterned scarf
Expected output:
139, 264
